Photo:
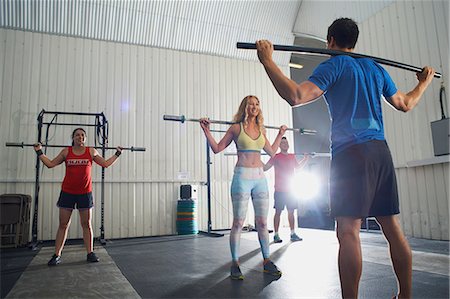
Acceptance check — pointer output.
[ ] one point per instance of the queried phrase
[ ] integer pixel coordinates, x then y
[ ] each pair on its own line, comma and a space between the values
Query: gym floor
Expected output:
197, 266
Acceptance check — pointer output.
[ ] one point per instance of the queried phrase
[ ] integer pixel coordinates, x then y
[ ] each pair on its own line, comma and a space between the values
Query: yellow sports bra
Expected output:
245, 143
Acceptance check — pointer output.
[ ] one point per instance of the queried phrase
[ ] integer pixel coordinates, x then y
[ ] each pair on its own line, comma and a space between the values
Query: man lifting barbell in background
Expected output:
362, 178
285, 165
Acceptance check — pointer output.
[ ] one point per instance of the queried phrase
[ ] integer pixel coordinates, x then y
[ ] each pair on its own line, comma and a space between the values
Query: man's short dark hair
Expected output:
345, 32
284, 137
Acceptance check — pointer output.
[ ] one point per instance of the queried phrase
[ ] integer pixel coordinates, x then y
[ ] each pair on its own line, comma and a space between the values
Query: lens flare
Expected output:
125, 105
305, 185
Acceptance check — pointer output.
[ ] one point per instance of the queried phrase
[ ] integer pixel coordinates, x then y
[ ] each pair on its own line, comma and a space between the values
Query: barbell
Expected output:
311, 154
182, 119
21, 144
297, 49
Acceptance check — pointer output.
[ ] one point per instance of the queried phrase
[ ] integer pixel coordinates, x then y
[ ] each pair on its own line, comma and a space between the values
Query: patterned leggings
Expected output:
249, 181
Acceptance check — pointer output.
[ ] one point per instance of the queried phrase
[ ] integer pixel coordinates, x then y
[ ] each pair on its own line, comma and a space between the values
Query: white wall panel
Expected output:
209, 27
416, 33
134, 86
424, 200
396, 33
314, 17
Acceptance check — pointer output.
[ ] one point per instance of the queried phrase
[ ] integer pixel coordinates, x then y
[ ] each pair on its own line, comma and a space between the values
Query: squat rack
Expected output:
101, 128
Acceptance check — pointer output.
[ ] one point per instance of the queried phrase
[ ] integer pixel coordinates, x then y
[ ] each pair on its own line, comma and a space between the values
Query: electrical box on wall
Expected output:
188, 192
441, 136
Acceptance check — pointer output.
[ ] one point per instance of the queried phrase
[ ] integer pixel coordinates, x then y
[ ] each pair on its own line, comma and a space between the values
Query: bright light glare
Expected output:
305, 185
125, 105
295, 65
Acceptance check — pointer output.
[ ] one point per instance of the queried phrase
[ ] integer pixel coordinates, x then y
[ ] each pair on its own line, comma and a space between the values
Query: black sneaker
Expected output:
295, 238
55, 260
92, 258
235, 273
271, 269
277, 239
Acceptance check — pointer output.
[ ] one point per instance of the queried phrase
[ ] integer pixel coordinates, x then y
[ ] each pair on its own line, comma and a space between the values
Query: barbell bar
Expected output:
298, 49
21, 144
311, 154
182, 119
314, 154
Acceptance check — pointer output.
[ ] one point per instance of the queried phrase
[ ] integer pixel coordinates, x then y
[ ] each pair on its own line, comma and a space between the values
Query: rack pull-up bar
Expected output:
297, 49
182, 119
71, 113
21, 144
70, 124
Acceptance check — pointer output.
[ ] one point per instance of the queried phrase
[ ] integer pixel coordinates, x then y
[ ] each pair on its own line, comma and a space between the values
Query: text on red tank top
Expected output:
78, 172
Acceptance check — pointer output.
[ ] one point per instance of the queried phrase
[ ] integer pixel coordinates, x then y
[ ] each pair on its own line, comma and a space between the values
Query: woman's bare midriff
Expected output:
249, 159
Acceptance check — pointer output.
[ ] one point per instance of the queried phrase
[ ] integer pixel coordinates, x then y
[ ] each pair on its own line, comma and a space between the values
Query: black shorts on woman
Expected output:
75, 201
363, 182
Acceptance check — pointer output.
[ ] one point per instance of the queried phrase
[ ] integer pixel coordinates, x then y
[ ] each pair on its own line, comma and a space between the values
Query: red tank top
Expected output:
78, 173
284, 171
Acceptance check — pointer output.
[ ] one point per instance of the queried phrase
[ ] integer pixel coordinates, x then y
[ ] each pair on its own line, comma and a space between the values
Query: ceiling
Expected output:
210, 27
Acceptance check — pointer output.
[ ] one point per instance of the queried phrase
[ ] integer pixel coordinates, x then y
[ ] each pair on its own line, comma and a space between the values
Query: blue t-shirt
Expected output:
353, 89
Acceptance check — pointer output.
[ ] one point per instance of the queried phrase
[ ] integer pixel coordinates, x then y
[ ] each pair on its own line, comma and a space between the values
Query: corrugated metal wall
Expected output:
314, 17
424, 200
209, 27
416, 33
400, 33
134, 86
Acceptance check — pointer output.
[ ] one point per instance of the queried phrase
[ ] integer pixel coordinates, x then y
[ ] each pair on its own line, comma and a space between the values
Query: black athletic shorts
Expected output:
362, 181
284, 199
75, 201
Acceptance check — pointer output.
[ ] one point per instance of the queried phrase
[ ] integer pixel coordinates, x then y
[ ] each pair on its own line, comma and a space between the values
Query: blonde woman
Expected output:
249, 136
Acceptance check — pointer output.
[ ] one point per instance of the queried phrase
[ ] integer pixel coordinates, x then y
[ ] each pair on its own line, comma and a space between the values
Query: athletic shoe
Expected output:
55, 260
276, 239
235, 273
271, 269
295, 238
92, 258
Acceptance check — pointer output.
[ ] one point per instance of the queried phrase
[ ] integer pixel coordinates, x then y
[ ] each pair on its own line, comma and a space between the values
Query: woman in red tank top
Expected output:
76, 190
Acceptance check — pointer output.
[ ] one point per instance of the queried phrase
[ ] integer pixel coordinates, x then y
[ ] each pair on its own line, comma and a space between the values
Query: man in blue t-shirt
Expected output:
362, 177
